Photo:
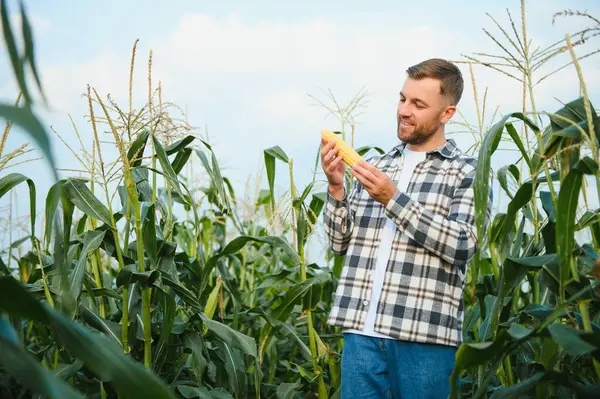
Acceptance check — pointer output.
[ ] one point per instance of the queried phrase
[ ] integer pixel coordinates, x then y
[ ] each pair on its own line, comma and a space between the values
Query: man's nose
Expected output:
403, 110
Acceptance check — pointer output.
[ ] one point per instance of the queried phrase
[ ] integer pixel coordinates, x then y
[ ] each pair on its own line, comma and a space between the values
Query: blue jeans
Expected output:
384, 368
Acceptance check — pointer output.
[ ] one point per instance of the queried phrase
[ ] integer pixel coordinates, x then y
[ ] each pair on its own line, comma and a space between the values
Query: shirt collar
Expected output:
448, 150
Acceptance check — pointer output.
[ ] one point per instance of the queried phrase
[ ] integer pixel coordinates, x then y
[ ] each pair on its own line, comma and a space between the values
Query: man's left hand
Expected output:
378, 184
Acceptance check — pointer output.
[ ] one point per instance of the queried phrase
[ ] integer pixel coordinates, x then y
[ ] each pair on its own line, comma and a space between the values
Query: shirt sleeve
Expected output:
338, 219
453, 238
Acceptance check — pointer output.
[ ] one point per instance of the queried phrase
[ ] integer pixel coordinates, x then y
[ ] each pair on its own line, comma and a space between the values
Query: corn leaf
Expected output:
80, 195
568, 197
91, 242
179, 145
270, 154
98, 352
11, 180
167, 168
231, 337
28, 371
136, 150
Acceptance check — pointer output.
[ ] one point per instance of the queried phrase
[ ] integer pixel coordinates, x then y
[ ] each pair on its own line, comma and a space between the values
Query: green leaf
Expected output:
192, 340
471, 355
181, 159
188, 297
587, 219
548, 205
66, 371
238, 243
98, 352
286, 330
11, 180
167, 168
503, 177
211, 303
570, 340
179, 145
298, 291
482, 175
15, 300
231, 337
519, 332
521, 199
104, 292
515, 268
194, 392
220, 393
8, 333
30, 373
111, 329
218, 178
517, 140
11, 46
316, 206
149, 235
568, 198
136, 150
305, 192
287, 390
278, 153
365, 149
270, 154
574, 112
169, 311
29, 49
283, 310
234, 365
520, 389
91, 242
52, 200
81, 196
130, 274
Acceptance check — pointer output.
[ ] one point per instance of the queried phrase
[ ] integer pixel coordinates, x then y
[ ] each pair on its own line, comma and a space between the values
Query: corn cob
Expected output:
349, 155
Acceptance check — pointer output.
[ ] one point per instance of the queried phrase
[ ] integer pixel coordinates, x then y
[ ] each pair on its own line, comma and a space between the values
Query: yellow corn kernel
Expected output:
349, 155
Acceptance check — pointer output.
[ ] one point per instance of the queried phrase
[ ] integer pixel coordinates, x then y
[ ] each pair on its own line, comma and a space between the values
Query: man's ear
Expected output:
448, 113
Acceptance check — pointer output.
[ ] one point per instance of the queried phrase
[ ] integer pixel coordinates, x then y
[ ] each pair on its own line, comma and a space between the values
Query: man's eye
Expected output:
419, 106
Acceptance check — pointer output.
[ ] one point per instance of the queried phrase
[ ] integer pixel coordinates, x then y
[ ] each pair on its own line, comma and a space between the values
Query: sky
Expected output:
245, 71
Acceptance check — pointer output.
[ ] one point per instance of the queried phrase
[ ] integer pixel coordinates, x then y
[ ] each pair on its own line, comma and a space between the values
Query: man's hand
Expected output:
333, 167
378, 184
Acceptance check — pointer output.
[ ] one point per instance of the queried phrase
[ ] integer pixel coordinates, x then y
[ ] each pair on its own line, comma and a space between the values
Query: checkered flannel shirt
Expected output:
421, 298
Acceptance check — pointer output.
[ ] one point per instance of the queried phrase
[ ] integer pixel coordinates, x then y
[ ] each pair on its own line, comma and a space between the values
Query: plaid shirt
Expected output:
421, 298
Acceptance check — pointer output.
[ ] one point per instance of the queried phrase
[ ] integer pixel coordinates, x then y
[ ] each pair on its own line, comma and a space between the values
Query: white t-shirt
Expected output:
410, 160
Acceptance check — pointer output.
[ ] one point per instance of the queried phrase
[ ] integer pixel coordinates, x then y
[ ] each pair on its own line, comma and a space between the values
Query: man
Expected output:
407, 229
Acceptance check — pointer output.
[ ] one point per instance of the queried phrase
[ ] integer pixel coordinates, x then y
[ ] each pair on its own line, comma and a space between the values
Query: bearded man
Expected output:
407, 230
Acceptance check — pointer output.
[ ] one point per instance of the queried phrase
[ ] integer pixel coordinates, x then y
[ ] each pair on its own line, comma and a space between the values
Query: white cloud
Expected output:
248, 82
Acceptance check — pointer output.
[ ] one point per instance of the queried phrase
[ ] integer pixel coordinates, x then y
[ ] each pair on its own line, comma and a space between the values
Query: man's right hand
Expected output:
334, 168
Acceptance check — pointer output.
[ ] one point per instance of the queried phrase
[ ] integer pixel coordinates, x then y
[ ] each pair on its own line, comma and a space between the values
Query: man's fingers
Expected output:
369, 167
326, 147
362, 179
329, 154
367, 174
336, 162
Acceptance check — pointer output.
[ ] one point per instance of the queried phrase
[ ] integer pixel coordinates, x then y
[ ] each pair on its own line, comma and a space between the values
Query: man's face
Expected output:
421, 110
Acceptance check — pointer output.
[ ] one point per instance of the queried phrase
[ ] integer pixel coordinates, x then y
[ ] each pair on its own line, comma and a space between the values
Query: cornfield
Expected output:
112, 294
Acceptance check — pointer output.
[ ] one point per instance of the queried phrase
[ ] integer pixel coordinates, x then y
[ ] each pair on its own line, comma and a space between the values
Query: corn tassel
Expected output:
348, 154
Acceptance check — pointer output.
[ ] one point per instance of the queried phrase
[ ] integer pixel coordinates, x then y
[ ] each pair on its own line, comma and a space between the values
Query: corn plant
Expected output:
540, 341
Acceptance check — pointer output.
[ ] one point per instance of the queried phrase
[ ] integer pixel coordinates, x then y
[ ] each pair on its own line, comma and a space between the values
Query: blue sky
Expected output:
245, 69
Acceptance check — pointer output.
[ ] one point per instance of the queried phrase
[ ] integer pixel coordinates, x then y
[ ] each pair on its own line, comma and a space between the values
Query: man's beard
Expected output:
420, 133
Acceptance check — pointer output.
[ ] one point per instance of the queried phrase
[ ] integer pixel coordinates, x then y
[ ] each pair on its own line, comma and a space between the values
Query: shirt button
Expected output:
365, 302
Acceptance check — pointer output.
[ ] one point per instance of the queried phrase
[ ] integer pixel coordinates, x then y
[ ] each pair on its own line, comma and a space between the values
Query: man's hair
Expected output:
450, 77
